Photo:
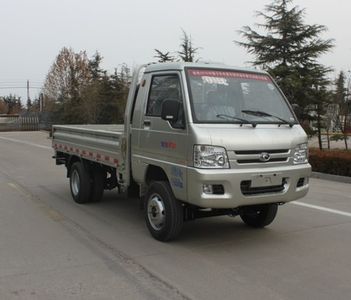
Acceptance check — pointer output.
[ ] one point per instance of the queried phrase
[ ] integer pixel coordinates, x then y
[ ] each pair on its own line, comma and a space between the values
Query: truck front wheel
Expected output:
259, 216
163, 212
79, 181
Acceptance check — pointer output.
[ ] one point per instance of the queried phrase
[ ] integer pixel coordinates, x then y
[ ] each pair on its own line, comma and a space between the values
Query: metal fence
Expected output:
19, 123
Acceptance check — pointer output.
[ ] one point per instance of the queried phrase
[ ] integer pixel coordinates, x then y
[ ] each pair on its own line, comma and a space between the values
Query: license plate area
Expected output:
262, 180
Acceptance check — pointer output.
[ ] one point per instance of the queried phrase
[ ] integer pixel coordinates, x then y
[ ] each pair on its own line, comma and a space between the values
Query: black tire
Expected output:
259, 216
80, 183
163, 212
133, 189
98, 177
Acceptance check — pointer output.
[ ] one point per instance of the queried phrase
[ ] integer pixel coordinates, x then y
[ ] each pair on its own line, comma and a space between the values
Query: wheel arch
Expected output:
70, 161
155, 173
163, 173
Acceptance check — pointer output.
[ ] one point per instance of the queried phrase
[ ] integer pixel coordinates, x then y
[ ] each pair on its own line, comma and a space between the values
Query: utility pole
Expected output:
29, 102
348, 86
28, 99
41, 102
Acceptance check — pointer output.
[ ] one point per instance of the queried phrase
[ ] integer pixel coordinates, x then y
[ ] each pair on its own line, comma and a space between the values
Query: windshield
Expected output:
236, 97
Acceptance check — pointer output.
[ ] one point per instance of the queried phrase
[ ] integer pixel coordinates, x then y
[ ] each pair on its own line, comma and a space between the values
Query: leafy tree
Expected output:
289, 50
100, 103
120, 81
106, 95
12, 104
187, 51
34, 106
163, 56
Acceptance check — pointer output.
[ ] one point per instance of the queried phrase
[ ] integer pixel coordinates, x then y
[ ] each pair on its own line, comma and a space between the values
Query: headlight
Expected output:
301, 154
210, 157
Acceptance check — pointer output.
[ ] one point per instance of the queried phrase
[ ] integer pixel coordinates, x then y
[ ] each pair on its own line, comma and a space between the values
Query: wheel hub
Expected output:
156, 212
75, 182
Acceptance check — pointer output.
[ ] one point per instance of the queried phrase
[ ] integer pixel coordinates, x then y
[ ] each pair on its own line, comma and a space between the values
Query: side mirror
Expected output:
170, 110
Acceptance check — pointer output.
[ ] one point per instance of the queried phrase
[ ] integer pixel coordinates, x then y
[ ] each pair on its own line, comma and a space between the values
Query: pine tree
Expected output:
163, 56
340, 91
187, 51
95, 68
289, 50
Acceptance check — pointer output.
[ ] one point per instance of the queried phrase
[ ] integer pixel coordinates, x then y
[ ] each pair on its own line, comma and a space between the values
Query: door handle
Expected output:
147, 123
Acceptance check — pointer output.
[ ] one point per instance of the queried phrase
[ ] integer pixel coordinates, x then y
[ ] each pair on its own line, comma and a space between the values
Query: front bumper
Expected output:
232, 182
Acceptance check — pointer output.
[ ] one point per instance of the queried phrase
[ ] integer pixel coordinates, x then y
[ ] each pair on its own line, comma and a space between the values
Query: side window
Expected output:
163, 87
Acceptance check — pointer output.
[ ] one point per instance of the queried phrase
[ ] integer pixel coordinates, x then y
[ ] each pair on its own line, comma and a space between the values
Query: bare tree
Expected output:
3, 107
67, 78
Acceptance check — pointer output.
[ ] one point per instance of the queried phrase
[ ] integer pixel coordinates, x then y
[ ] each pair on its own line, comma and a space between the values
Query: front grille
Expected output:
251, 152
257, 161
247, 190
255, 156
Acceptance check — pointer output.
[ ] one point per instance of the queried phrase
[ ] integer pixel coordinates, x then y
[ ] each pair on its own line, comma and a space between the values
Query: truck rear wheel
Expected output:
79, 181
98, 176
259, 216
163, 212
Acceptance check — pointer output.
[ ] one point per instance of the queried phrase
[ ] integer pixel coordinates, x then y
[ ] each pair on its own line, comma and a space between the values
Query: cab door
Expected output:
164, 143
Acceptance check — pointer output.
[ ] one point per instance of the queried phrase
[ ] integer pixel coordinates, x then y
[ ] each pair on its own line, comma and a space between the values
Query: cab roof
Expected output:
179, 66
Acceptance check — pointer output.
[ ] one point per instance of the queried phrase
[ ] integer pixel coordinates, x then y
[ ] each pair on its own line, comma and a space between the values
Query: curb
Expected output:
331, 177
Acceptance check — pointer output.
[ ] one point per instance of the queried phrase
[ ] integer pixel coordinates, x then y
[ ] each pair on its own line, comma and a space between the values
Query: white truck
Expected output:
198, 140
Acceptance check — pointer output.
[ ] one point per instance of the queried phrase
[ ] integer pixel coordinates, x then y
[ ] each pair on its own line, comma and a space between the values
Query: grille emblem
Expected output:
264, 157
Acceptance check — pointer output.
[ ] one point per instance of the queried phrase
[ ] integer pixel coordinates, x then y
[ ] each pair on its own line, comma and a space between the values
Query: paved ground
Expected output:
52, 248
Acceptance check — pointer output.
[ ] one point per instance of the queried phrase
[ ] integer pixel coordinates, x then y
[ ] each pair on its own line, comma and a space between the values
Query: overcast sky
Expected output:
32, 32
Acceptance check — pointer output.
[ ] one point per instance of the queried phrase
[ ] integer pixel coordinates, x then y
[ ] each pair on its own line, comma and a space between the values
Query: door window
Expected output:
163, 87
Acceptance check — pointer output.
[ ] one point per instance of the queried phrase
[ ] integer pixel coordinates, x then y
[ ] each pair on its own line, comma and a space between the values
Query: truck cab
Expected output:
220, 137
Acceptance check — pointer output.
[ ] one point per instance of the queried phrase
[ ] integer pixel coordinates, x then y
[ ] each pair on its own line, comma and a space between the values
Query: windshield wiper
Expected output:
260, 113
243, 121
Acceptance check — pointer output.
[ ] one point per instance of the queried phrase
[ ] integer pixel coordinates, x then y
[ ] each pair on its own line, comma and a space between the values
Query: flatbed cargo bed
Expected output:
98, 143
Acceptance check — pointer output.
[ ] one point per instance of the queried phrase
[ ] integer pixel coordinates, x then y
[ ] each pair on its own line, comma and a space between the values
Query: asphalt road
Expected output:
52, 248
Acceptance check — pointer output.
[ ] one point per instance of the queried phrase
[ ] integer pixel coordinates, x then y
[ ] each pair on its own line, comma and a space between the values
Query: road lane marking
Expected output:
15, 186
50, 212
24, 142
321, 208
